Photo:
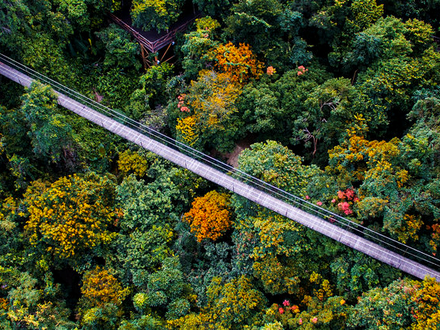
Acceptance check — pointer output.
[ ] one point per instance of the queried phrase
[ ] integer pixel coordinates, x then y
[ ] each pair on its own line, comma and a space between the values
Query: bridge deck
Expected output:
264, 199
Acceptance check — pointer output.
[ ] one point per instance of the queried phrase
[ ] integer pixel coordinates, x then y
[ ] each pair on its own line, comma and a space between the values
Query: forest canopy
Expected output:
336, 102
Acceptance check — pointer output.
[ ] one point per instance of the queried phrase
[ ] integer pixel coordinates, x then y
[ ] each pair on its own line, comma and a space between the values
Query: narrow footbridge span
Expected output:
353, 235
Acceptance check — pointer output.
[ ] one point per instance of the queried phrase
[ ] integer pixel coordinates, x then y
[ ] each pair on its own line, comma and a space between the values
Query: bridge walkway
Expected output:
378, 246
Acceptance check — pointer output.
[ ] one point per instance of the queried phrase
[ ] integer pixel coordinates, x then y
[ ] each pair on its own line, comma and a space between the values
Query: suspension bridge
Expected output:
343, 230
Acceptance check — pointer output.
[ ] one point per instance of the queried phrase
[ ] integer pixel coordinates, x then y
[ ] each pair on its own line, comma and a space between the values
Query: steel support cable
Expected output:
256, 182
336, 219
210, 160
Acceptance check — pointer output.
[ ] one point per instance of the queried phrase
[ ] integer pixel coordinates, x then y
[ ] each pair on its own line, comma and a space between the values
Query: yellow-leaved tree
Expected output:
133, 162
209, 216
187, 130
208, 112
427, 312
102, 296
72, 215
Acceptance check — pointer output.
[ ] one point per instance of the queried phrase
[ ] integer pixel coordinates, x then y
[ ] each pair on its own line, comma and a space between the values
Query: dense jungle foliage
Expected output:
340, 102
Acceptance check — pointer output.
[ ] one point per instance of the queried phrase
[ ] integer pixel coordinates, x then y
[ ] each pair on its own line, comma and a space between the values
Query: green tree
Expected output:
151, 211
266, 25
111, 86
338, 22
400, 65
326, 112
158, 15
165, 288
76, 11
233, 304
31, 303
16, 150
271, 106
389, 307
277, 165
143, 322
85, 15
46, 56
120, 50
151, 95
21, 20
51, 135
149, 204
354, 273
214, 8
250, 21
140, 253
260, 106
199, 45
159, 198
11, 16
414, 9
422, 143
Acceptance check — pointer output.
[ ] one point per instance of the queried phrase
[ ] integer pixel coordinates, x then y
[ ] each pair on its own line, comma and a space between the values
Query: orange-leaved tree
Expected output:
239, 61
209, 216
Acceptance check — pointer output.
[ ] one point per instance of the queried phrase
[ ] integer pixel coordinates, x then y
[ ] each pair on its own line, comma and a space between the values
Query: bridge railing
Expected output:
335, 219
139, 37
170, 36
155, 45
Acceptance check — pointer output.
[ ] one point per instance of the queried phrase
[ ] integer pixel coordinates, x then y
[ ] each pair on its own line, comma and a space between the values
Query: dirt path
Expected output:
232, 158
